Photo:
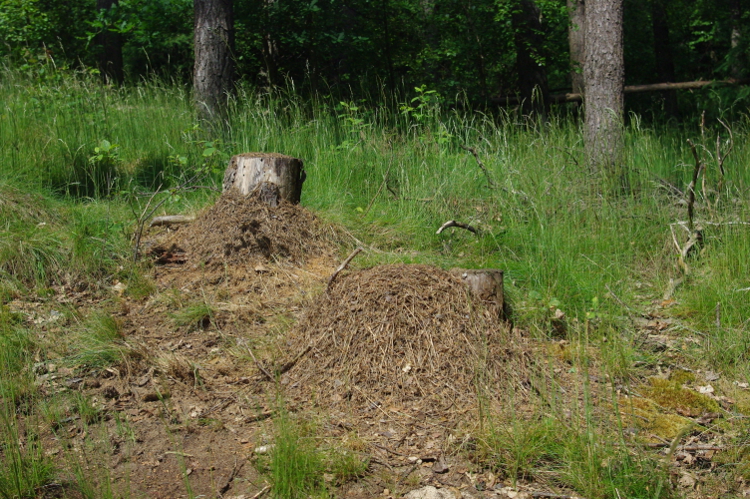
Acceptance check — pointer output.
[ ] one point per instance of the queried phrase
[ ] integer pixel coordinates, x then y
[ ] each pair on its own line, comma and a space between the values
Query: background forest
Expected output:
126, 371
468, 51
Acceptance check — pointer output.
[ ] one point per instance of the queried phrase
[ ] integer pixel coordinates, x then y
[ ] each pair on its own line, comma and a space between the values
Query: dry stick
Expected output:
403, 477
294, 361
260, 417
235, 470
490, 183
719, 157
691, 187
388, 450
169, 220
262, 369
382, 184
550, 495
262, 491
569, 154
142, 222
453, 223
343, 266
146, 214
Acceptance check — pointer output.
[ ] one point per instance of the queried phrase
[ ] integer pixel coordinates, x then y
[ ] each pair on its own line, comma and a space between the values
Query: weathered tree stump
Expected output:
485, 285
274, 176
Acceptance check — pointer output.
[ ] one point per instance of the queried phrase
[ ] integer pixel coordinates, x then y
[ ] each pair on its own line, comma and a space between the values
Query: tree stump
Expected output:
274, 176
485, 285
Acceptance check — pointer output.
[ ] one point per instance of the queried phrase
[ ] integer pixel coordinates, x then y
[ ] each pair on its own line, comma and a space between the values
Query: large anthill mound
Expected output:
239, 229
404, 338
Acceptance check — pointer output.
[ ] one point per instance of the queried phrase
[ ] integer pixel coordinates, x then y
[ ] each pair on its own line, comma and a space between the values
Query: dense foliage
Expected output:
357, 48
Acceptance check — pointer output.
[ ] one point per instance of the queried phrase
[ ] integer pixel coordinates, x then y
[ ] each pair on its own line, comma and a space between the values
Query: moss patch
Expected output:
649, 418
671, 395
682, 377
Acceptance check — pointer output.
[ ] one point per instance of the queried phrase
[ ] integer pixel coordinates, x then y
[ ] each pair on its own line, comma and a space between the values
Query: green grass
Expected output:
296, 465
80, 160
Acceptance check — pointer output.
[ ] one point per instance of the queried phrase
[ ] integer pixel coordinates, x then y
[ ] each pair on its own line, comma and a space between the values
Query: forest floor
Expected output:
191, 408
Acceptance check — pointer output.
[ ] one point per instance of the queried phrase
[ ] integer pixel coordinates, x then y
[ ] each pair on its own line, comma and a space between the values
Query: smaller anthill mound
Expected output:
401, 338
240, 229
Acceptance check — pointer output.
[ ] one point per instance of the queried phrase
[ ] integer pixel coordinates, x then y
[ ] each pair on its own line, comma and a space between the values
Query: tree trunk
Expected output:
735, 38
269, 47
387, 43
273, 176
532, 75
663, 54
604, 75
577, 43
110, 59
213, 73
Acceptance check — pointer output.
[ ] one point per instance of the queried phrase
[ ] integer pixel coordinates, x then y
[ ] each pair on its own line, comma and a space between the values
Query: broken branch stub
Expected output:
485, 285
276, 176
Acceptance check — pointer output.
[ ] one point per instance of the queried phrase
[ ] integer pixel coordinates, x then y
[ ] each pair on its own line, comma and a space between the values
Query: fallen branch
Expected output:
683, 223
294, 361
473, 151
511, 100
170, 220
453, 223
343, 266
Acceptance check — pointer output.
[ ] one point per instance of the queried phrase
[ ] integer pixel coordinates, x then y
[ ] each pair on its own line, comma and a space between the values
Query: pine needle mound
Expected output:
239, 229
404, 338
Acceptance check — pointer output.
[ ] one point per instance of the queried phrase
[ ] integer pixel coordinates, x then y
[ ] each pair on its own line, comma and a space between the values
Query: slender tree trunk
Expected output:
663, 54
480, 51
387, 44
110, 60
577, 42
269, 47
736, 68
532, 74
604, 75
213, 75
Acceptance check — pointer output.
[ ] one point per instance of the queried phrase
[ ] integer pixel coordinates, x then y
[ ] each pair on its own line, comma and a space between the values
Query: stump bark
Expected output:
274, 176
485, 285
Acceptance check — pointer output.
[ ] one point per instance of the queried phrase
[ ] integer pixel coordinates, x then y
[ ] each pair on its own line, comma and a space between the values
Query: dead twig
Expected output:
570, 154
388, 450
720, 158
671, 187
294, 361
403, 477
693, 182
259, 417
453, 223
382, 184
343, 266
169, 220
146, 213
262, 369
262, 492
551, 495
235, 470
490, 183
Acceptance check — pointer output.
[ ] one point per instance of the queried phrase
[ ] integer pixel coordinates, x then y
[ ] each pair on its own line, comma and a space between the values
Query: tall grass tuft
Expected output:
296, 466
